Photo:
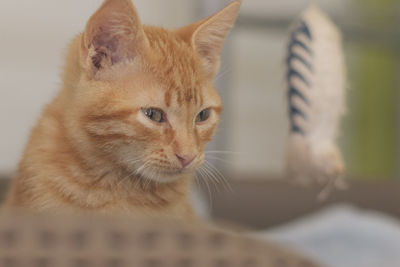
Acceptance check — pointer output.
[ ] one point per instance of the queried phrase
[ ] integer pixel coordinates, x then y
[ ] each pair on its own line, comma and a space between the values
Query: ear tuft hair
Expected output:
113, 34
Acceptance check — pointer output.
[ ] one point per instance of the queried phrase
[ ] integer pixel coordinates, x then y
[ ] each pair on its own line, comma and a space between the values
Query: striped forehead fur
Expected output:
175, 66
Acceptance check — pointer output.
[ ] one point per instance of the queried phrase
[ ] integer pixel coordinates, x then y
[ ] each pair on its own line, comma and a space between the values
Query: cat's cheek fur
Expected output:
206, 134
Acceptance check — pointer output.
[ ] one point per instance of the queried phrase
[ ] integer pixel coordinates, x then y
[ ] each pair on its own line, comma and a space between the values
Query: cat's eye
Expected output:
203, 115
154, 114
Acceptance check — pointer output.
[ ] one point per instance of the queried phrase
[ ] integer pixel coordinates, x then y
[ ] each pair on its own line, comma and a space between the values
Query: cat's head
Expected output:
144, 99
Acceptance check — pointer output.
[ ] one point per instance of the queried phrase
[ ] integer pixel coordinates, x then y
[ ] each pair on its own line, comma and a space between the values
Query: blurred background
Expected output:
34, 36
253, 131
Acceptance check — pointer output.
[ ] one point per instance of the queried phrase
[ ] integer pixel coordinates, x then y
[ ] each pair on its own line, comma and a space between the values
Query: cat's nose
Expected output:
185, 160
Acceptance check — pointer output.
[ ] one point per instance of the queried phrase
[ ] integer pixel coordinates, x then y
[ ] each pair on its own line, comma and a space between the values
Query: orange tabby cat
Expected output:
128, 129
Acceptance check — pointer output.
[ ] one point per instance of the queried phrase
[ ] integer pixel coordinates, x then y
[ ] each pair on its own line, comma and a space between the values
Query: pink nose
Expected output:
185, 160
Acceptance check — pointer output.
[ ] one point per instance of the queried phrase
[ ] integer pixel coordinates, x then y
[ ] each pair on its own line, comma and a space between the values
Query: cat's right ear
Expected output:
113, 35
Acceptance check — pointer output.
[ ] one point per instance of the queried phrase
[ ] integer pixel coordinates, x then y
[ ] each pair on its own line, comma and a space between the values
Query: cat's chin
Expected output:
165, 177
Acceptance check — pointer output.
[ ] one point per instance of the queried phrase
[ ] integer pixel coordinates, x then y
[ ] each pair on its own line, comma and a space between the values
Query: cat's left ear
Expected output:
208, 36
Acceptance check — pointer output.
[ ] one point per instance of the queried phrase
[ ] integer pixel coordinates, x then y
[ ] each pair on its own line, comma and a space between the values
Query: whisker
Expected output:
211, 176
196, 178
154, 176
101, 177
133, 173
219, 175
222, 73
207, 172
141, 168
151, 178
222, 152
220, 159
204, 181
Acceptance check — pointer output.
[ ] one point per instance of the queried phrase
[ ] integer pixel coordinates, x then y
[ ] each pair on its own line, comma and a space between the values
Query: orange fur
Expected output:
94, 149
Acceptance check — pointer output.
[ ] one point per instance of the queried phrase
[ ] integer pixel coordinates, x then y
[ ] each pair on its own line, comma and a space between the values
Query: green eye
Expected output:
154, 114
203, 115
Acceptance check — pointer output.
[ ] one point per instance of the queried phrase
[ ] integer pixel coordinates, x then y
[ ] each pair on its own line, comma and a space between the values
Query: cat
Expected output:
128, 129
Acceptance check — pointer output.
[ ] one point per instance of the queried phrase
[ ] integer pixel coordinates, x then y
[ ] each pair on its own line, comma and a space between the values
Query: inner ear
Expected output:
105, 50
113, 35
208, 36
